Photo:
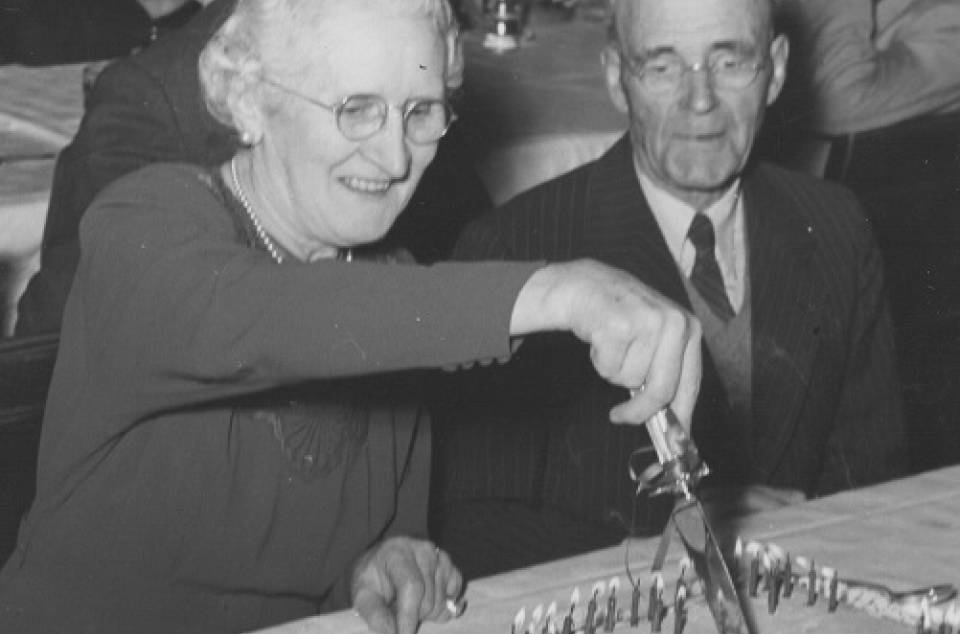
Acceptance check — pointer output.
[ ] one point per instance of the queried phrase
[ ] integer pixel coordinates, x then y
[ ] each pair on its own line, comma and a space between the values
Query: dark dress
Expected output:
225, 435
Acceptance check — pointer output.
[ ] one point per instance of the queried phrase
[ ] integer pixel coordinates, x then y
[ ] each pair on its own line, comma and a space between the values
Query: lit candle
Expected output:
680, 608
518, 621
787, 576
832, 579
590, 622
635, 606
753, 580
535, 618
655, 598
549, 626
766, 565
781, 569
803, 564
774, 581
610, 619
812, 581
924, 623
939, 616
568, 619
655, 613
685, 565
952, 616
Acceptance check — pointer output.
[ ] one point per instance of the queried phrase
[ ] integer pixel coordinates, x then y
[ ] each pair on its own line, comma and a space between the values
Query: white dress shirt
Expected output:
674, 217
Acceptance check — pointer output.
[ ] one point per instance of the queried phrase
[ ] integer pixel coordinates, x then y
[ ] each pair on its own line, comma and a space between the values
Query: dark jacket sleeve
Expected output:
44, 32
164, 283
142, 109
128, 124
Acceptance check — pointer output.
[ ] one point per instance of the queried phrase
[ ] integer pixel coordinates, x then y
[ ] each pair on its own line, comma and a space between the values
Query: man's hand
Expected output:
638, 338
401, 582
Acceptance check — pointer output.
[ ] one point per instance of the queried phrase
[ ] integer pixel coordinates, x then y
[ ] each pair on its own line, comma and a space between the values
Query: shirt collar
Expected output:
674, 217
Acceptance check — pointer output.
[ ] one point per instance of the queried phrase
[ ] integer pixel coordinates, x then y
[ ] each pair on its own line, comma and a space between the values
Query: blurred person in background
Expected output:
43, 32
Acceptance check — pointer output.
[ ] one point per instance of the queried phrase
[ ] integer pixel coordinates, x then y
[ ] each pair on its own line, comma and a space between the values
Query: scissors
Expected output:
679, 471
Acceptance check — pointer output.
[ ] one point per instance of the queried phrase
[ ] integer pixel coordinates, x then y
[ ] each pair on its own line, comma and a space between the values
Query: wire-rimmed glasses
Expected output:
729, 68
360, 116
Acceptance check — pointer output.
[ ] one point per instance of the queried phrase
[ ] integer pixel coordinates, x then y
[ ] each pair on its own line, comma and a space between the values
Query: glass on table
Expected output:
507, 23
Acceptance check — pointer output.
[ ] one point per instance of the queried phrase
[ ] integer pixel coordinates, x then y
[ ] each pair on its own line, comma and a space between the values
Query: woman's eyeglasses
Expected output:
359, 117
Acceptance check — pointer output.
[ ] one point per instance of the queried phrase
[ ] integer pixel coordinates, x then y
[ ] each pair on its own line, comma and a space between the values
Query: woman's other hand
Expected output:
401, 582
638, 338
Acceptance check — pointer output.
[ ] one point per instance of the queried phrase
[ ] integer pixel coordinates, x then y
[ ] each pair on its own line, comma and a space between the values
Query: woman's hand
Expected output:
401, 582
638, 338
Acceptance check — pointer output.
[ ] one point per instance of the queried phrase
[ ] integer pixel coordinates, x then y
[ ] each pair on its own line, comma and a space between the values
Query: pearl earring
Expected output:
246, 138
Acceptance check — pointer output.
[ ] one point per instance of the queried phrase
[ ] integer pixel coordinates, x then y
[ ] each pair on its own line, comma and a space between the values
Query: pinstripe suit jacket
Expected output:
826, 410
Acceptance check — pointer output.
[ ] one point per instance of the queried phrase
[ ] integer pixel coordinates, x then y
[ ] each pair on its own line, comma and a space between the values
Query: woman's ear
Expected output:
243, 99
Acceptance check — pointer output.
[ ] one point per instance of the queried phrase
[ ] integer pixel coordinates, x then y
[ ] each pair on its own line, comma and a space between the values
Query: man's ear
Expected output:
779, 54
612, 64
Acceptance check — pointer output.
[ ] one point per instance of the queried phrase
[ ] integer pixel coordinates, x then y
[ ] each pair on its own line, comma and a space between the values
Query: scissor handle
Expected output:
681, 467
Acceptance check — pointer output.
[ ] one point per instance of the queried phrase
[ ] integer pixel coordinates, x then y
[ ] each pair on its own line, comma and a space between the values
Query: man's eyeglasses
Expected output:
359, 117
730, 69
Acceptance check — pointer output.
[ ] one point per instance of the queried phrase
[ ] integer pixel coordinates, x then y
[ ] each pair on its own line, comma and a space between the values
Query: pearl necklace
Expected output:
272, 248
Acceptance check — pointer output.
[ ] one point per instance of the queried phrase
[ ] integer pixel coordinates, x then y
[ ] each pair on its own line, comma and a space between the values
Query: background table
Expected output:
904, 533
40, 109
537, 111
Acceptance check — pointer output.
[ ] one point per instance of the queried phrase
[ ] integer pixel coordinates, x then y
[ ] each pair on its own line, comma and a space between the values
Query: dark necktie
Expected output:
706, 276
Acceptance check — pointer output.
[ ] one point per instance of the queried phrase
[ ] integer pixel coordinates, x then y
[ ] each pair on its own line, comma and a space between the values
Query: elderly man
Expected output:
799, 390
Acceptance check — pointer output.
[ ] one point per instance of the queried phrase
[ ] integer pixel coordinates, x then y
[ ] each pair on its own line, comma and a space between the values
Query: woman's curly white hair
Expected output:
279, 34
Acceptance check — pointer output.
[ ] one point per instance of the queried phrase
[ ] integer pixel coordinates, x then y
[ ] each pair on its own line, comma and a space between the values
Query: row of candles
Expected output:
602, 614
772, 569
760, 568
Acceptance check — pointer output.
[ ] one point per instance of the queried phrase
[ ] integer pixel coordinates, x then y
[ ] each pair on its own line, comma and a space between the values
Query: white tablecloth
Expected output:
540, 110
903, 534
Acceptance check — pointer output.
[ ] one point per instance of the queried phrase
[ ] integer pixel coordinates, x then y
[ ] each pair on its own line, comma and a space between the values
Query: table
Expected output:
904, 534
40, 109
537, 111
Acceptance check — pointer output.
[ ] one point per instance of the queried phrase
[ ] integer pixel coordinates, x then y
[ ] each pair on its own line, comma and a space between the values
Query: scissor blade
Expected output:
704, 552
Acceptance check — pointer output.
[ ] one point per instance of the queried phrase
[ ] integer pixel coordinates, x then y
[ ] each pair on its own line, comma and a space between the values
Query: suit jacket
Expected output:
826, 410
148, 108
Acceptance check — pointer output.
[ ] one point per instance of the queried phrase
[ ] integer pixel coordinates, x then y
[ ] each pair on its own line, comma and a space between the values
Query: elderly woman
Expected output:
232, 437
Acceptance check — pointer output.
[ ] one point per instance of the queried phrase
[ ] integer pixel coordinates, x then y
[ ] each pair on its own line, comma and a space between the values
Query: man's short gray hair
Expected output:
617, 7
277, 35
